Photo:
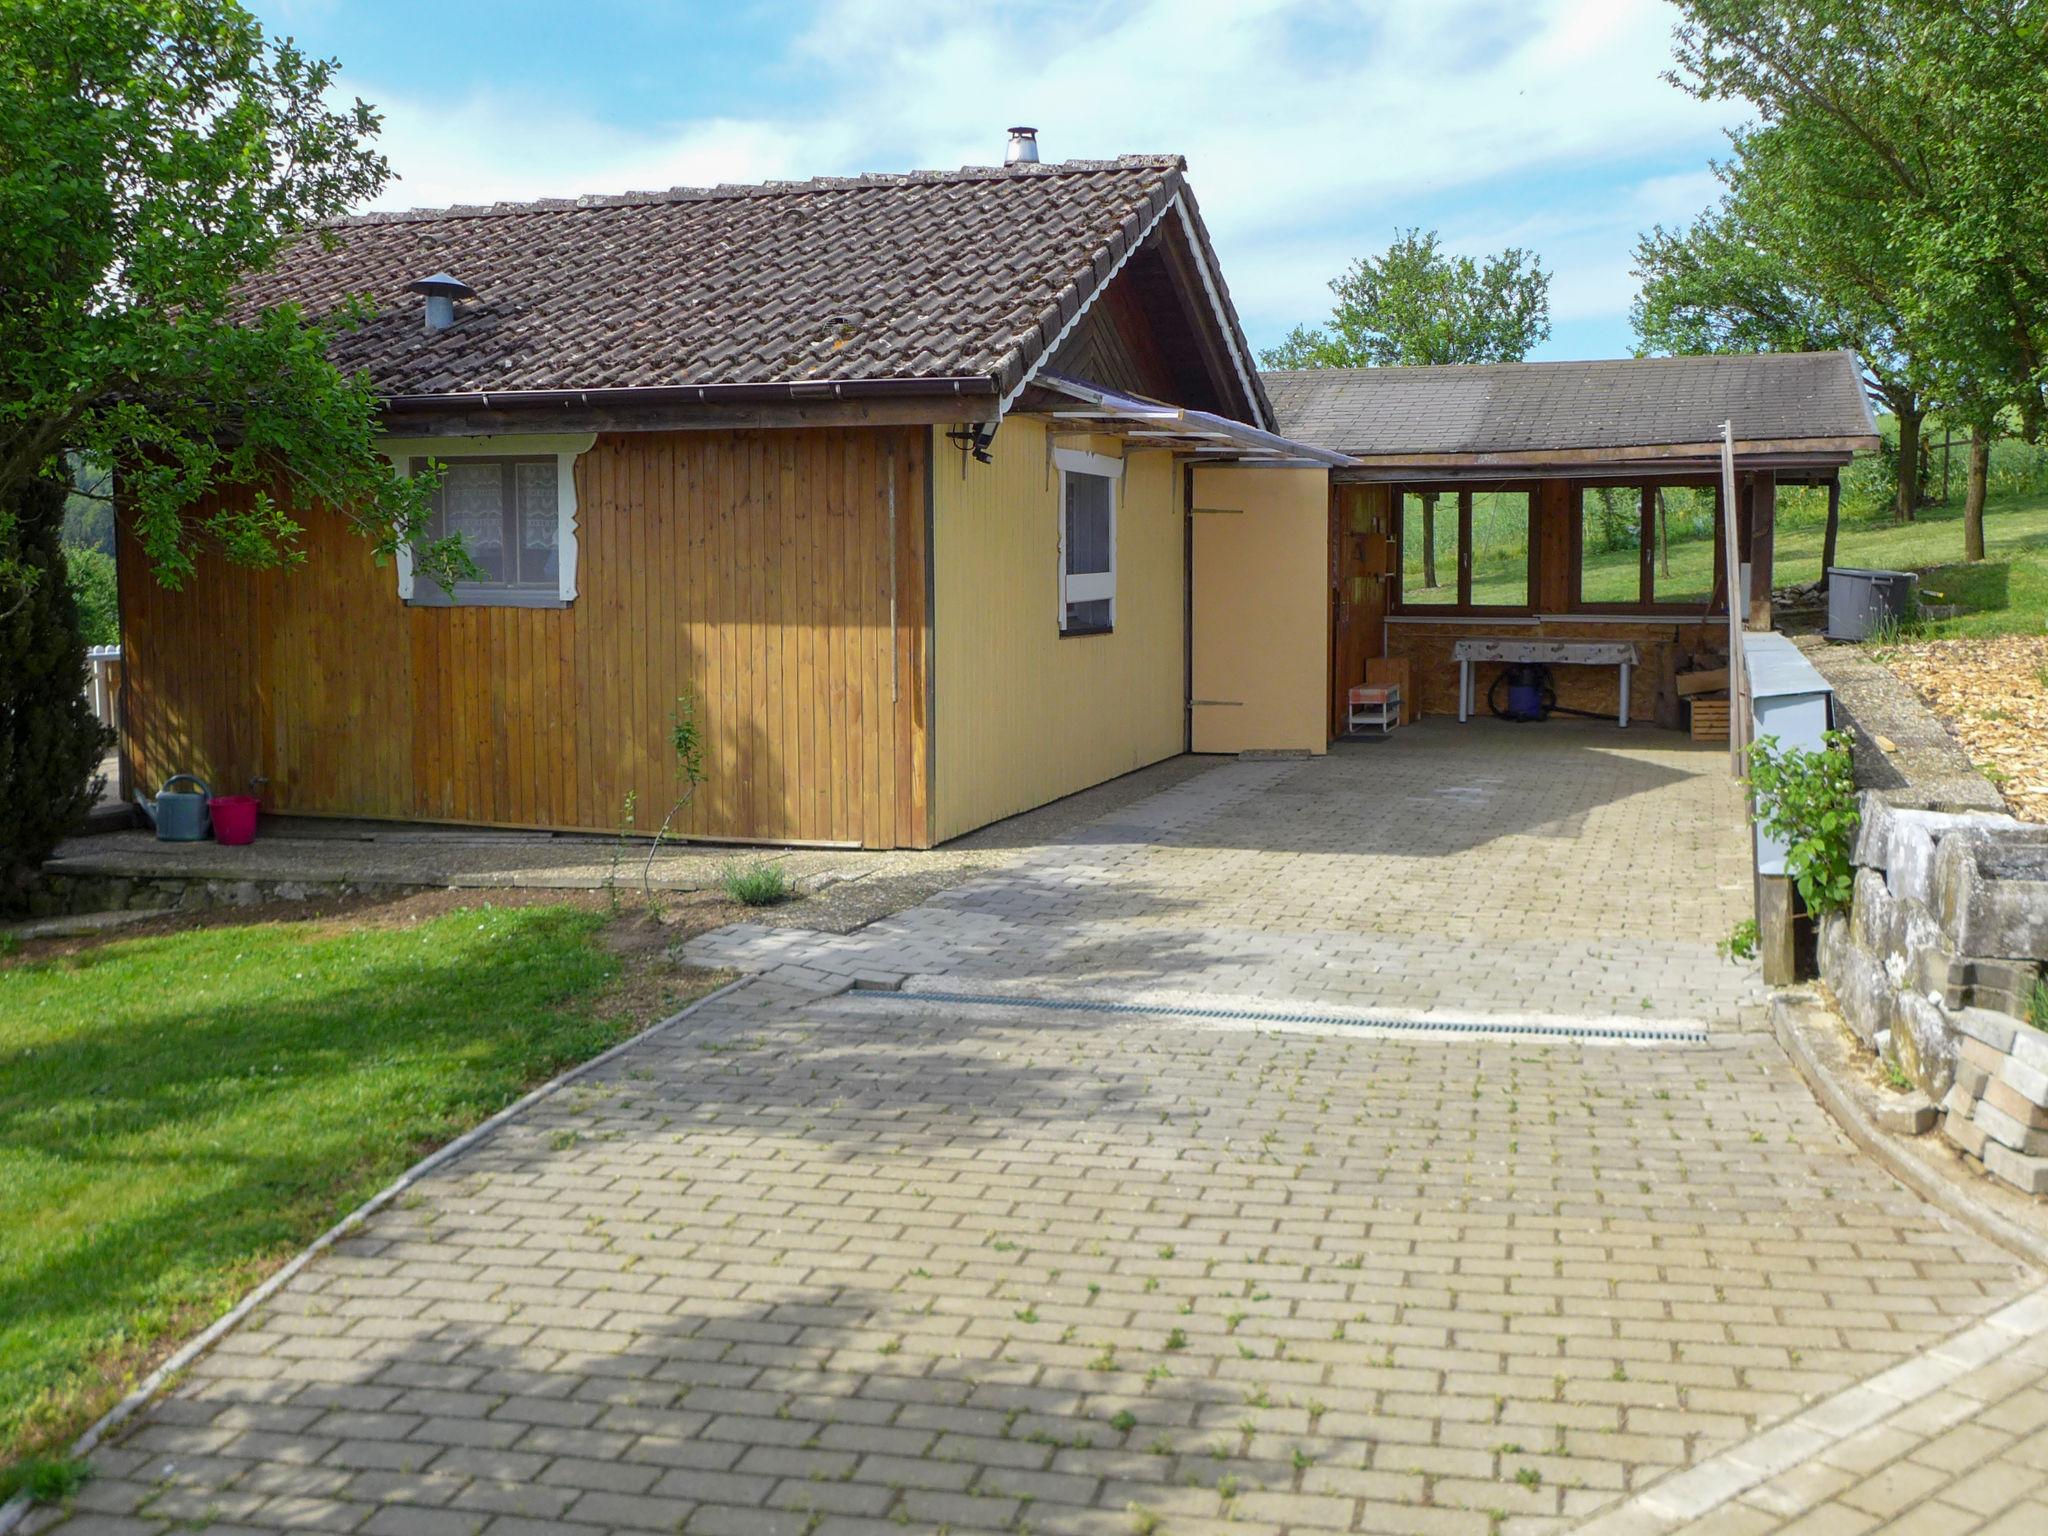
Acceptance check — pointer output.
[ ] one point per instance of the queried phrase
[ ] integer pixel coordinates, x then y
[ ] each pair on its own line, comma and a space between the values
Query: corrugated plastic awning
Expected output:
1198, 434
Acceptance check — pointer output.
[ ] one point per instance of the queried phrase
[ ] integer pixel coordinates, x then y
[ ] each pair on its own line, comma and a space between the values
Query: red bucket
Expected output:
234, 818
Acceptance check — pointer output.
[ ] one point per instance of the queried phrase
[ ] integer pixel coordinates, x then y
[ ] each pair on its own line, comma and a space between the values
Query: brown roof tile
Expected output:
930, 275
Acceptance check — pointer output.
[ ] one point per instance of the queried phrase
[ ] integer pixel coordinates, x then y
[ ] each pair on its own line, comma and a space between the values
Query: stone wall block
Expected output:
1992, 1030
2002, 1096
1910, 874
2029, 1082
1991, 892
1863, 988
1877, 921
2026, 1172
2008, 1132
1977, 981
1964, 1132
1924, 1043
2031, 1046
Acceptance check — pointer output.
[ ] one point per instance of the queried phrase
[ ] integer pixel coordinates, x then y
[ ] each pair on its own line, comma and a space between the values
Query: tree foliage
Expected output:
1917, 122
1417, 304
1781, 265
154, 154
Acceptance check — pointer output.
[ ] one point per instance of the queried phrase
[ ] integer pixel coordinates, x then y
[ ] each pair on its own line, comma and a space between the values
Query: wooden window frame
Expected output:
1082, 586
1463, 607
1646, 604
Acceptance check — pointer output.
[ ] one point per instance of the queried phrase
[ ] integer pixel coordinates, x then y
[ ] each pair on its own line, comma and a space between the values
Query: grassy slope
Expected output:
2006, 593
179, 1114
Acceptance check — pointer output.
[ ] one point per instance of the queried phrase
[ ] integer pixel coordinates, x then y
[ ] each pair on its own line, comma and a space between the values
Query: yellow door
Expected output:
1260, 641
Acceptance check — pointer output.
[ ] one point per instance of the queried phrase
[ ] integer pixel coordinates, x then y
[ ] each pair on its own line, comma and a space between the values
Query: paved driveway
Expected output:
829, 1264
1457, 871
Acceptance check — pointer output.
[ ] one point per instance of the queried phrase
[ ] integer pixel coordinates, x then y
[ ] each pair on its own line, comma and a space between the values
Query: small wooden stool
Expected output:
1375, 704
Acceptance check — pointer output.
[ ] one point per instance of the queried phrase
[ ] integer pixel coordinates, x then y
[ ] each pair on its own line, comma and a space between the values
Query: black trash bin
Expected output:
1861, 602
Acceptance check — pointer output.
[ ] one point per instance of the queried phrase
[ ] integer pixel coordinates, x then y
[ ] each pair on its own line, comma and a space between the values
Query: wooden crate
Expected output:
1709, 719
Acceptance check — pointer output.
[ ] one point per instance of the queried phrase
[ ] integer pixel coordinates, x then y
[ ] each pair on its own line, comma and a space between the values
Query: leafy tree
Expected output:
153, 154
1916, 120
1419, 305
1775, 269
90, 575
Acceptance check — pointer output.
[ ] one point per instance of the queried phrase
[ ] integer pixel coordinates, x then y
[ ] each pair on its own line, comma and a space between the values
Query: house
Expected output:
943, 495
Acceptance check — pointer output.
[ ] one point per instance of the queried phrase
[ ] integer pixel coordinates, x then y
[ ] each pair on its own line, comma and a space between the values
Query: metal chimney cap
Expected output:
442, 286
1023, 148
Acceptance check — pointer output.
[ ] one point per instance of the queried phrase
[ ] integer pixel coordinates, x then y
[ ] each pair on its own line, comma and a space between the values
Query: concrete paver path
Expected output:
820, 1264
1479, 870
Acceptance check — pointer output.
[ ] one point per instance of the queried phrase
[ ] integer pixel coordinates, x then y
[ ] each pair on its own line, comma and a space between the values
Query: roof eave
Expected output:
958, 385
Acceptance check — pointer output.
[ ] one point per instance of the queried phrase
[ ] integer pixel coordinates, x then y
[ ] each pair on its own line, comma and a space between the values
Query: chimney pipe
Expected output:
1023, 148
442, 291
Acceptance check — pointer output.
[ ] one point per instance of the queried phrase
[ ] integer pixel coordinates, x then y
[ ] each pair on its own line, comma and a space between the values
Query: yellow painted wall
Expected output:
1022, 715
1261, 610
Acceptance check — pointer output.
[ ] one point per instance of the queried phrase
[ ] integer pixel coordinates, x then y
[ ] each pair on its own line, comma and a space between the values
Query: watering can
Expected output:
179, 815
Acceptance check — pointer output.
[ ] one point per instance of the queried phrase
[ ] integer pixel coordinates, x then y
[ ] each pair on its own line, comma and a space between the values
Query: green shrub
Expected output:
91, 576
1808, 799
757, 883
2037, 1009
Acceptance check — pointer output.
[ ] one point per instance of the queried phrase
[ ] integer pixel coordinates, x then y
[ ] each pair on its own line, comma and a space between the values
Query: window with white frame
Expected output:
1087, 539
512, 502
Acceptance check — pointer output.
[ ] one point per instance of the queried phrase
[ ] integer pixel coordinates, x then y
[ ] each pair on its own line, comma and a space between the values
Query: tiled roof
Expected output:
1522, 408
930, 275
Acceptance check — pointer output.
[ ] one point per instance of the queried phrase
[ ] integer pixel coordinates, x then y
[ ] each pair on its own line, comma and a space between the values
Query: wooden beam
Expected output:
1763, 522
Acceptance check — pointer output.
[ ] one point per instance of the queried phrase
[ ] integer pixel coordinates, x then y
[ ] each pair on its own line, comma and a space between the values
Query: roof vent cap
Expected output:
1023, 148
442, 291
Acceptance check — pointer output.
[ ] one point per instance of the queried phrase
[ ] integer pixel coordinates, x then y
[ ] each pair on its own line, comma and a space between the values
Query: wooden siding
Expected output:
758, 570
1361, 529
1667, 647
1024, 715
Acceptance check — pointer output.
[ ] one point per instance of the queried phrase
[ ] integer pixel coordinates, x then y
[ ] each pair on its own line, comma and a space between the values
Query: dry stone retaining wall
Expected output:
1935, 965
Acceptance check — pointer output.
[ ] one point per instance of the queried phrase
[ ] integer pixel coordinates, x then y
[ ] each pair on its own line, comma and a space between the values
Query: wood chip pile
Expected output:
1992, 694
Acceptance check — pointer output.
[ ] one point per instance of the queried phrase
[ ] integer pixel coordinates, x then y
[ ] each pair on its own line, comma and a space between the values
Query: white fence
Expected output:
103, 686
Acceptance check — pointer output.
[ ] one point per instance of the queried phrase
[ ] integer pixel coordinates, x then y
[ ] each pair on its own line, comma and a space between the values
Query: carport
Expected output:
1575, 502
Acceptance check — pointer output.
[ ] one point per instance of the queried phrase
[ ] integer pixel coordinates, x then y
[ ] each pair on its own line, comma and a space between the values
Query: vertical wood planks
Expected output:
752, 569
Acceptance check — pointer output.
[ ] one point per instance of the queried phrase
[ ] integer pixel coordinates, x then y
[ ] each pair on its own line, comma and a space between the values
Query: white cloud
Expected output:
1312, 128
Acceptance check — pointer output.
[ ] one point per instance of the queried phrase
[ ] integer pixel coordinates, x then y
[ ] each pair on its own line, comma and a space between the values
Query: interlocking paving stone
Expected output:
1574, 871
810, 1264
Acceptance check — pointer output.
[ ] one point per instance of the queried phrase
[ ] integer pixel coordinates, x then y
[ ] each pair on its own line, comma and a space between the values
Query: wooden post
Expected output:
1738, 677
1827, 543
1775, 946
1763, 514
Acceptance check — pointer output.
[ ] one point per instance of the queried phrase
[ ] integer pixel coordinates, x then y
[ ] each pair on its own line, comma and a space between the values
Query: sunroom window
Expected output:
1465, 550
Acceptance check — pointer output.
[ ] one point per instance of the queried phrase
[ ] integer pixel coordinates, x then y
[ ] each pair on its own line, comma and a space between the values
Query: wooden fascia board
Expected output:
1813, 449
938, 410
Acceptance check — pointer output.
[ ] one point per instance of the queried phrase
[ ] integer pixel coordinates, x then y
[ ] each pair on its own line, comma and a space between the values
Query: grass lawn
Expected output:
2005, 593
179, 1114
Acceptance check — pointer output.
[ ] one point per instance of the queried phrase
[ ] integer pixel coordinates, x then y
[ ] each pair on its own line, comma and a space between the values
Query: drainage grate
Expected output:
1520, 1028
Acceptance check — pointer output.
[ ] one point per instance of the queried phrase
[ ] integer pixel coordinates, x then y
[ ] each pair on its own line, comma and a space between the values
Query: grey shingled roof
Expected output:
1525, 408
929, 275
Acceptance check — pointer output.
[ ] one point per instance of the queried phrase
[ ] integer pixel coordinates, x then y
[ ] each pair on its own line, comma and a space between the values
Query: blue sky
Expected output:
1313, 129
